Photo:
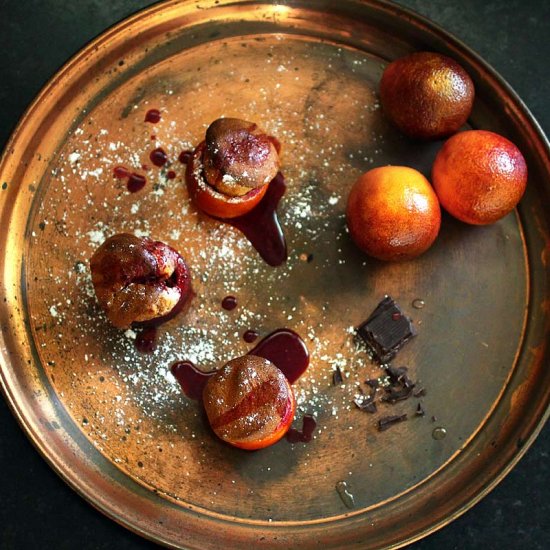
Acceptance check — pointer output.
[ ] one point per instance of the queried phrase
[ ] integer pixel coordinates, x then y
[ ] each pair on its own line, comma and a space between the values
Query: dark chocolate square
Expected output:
386, 330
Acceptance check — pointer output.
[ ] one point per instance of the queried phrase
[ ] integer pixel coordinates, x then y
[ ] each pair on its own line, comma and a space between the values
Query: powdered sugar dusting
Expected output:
128, 404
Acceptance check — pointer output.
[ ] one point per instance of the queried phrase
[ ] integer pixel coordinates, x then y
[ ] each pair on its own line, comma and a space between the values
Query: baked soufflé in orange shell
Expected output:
249, 403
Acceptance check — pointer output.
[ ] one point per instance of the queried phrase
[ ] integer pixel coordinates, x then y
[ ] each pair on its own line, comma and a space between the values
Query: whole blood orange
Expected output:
393, 213
479, 176
426, 95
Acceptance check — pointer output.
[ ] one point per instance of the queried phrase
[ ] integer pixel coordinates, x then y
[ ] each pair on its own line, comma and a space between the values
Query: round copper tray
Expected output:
113, 422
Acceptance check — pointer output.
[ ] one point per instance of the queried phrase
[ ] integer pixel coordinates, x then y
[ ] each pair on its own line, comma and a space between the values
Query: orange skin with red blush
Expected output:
426, 95
393, 213
479, 176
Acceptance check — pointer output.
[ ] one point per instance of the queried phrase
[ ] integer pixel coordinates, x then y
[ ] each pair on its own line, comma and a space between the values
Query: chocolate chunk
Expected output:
337, 378
365, 402
394, 395
388, 421
420, 410
386, 330
399, 376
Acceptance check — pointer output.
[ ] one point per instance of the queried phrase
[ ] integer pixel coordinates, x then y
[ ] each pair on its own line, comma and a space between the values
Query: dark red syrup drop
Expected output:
152, 115
158, 156
308, 427
170, 174
121, 172
250, 336
286, 350
229, 303
146, 340
191, 379
261, 225
135, 183
185, 156
283, 347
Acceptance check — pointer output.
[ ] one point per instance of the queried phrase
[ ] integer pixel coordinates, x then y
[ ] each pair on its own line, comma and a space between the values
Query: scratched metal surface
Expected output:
292, 77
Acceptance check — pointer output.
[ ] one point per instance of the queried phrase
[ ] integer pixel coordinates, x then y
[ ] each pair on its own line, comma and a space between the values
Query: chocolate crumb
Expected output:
434, 418
337, 378
388, 421
420, 410
386, 330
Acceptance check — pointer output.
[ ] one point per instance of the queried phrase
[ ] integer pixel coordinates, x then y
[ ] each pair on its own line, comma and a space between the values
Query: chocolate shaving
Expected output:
396, 372
386, 330
365, 402
401, 386
420, 410
419, 392
399, 376
372, 382
388, 421
394, 395
337, 378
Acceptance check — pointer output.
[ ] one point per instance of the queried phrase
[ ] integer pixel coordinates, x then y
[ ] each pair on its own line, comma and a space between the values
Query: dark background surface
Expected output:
37, 509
